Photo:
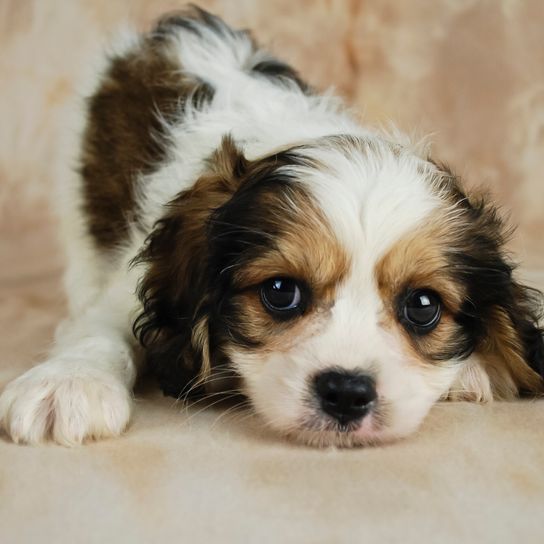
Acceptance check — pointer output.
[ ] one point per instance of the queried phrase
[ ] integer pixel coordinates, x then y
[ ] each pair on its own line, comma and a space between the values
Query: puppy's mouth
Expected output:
320, 421
317, 428
319, 431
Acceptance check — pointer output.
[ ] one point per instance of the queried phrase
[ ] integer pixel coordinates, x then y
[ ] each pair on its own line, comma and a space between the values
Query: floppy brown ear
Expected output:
173, 324
500, 314
513, 348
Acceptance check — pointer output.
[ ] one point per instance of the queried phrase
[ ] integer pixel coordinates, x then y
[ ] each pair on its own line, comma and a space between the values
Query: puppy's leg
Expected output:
83, 390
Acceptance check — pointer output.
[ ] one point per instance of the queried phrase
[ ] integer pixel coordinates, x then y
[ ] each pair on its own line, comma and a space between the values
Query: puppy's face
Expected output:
348, 283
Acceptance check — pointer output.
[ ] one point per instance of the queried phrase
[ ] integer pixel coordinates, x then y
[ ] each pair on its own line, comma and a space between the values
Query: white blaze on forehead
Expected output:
371, 195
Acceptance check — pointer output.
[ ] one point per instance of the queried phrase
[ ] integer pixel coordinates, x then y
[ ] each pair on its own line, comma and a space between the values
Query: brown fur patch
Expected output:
304, 248
419, 261
124, 136
503, 354
174, 324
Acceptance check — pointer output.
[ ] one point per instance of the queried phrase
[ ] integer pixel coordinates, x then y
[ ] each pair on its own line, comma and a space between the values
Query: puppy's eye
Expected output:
282, 296
422, 310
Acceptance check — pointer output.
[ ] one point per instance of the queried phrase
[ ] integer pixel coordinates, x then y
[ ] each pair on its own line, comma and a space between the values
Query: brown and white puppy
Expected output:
239, 223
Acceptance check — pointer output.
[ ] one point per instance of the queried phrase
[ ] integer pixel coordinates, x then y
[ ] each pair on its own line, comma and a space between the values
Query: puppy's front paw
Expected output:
69, 405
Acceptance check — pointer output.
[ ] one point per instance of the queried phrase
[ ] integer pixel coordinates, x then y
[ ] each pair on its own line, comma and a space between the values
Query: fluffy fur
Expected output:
208, 168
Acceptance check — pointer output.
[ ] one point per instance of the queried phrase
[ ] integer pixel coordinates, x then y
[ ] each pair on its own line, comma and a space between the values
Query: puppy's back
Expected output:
164, 76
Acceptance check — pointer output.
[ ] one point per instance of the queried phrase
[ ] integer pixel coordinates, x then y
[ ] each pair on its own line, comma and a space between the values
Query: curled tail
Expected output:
212, 51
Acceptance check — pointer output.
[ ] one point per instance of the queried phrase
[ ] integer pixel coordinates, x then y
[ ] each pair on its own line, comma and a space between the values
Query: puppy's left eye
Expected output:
282, 296
422, 310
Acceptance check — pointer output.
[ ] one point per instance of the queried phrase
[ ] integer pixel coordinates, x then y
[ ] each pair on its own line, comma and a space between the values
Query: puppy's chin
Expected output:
368, 432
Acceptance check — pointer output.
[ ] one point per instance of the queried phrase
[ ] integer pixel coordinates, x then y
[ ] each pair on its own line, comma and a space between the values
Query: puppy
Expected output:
228, 220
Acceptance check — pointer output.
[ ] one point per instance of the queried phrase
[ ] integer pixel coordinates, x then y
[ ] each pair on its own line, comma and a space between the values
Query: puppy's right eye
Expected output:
283, 297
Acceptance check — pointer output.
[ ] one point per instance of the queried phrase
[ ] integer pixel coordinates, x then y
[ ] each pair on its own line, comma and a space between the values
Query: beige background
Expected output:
470, 72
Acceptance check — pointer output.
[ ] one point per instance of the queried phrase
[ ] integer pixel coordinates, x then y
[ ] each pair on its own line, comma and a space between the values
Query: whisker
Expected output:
232, 411
206, 407
192, 404
198, 381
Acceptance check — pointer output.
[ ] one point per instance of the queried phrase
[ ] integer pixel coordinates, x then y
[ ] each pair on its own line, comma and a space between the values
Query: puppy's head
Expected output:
347, 282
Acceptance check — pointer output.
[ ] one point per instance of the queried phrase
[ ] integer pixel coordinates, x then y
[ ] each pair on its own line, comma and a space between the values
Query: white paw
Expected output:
65, 403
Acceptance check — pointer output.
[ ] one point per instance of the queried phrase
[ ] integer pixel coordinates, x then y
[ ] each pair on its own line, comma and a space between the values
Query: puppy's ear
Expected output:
174, 291
509, 359
500, 314
513, 348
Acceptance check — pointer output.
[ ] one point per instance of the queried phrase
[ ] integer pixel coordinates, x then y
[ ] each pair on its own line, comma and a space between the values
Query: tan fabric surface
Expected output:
472, 72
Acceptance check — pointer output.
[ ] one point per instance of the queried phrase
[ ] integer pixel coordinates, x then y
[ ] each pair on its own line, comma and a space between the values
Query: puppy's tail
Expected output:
214, 53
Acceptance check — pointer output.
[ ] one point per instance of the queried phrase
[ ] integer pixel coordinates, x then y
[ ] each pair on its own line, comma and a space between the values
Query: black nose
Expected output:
345, 396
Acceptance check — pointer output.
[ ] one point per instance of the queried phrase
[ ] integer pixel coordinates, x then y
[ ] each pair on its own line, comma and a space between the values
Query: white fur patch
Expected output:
68, 401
